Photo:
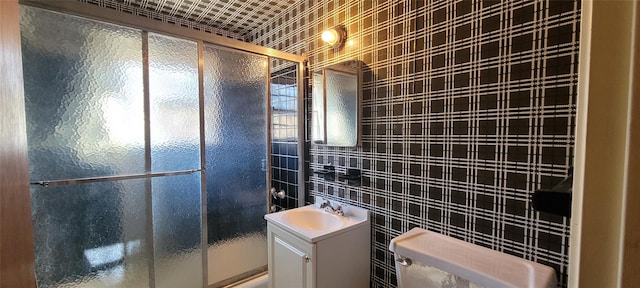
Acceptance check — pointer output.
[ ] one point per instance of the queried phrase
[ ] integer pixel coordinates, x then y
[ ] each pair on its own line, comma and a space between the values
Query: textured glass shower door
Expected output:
121, 126
93, 234
235, 103
116, 191
174, 116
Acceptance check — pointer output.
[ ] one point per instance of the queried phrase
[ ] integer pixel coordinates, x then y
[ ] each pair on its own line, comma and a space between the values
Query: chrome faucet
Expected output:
327, 207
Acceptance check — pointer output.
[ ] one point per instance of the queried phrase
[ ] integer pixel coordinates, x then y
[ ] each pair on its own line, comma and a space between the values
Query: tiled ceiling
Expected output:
236, 16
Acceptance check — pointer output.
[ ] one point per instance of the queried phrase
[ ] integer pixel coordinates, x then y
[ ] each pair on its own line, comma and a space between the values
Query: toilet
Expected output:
427, 259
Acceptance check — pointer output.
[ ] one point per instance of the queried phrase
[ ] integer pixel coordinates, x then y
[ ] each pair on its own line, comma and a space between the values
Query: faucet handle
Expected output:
326, 206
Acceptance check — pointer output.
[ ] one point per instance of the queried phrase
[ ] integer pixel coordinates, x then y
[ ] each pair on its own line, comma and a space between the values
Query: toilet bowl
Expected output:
428, 259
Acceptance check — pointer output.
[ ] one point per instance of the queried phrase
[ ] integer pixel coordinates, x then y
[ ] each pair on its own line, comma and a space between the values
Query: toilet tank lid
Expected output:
475, 263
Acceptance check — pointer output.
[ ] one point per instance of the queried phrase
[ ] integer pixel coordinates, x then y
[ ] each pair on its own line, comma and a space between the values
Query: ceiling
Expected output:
236, 16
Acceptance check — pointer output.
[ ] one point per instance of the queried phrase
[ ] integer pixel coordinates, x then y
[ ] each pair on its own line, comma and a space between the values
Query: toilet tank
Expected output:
428, 259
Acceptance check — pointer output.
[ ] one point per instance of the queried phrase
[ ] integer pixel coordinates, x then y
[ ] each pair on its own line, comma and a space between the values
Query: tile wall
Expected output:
468, 108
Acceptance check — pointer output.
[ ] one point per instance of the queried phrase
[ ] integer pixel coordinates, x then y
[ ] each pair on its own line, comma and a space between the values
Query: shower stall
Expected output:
149, 149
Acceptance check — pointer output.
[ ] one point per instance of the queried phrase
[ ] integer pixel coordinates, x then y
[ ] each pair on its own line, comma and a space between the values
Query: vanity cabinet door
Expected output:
291, 261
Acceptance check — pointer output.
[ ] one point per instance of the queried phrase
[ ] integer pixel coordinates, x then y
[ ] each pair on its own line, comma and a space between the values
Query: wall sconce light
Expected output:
335, 36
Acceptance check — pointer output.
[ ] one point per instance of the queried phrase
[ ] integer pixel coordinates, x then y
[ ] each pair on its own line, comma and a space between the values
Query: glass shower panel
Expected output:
91, 235
83, 96
236, 149
174, 104
177, 238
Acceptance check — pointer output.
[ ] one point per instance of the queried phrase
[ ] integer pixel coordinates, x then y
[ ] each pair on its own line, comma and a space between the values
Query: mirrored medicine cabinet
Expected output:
335, 114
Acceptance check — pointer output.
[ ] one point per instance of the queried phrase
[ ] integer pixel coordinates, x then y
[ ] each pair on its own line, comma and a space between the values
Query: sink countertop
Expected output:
354, 217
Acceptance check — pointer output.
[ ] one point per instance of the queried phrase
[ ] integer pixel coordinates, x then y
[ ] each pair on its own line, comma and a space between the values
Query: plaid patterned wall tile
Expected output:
468, 108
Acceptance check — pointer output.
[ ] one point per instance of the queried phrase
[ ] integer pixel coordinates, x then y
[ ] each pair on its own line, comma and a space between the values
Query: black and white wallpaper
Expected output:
468, 108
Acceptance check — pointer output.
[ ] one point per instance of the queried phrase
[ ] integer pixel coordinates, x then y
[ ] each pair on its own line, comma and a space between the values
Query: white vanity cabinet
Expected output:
290, 260
338, 258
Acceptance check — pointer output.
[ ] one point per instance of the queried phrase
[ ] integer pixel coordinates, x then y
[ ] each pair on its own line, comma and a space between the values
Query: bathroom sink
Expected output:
313, 224
312, 219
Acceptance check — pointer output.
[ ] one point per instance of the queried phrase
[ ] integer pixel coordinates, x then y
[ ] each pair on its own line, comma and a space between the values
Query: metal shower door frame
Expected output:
147, 25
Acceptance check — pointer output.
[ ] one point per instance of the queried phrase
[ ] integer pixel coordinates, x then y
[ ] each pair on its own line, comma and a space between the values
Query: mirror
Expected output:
335, 102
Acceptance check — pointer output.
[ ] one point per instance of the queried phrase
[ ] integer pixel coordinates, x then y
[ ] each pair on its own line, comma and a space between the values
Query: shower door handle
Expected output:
263, 164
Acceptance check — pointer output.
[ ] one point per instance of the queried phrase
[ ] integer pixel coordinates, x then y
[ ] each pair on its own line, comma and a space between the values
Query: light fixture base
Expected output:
335, 37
